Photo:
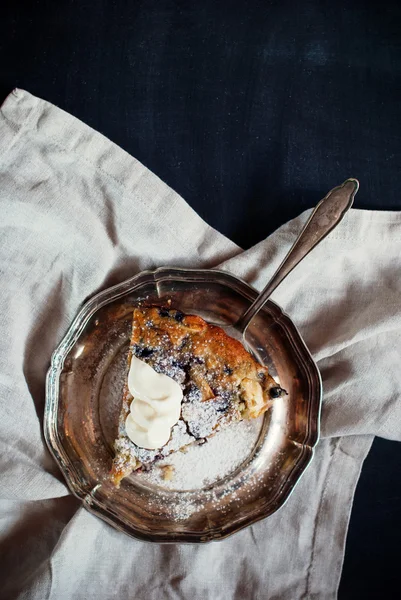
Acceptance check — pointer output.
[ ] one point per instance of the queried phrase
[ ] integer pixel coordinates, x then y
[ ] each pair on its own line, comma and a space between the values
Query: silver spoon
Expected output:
326, 216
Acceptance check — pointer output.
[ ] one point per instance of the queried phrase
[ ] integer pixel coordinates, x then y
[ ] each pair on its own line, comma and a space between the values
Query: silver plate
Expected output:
83, 391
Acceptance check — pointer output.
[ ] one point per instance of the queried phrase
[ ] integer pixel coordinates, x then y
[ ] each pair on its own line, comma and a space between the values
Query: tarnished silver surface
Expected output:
84, 385
325, 217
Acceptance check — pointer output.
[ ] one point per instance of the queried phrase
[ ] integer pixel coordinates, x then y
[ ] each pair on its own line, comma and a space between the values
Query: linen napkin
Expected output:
78, 214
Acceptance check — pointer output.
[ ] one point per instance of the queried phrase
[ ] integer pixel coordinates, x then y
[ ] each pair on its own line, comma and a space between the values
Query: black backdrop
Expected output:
252, 111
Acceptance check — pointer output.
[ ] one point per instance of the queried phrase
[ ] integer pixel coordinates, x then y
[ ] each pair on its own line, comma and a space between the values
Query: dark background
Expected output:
252, 111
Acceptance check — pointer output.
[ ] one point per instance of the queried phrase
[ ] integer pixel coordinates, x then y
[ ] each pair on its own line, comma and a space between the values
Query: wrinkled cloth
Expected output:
79, 214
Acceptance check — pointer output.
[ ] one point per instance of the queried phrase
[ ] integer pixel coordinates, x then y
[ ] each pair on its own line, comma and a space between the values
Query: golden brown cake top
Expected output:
212, 361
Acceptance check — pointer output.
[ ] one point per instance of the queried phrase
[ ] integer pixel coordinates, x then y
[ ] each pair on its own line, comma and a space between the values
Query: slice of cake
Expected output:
186, 379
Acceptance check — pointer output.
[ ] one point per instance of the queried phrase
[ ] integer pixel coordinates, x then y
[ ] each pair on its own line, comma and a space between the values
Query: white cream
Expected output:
156, 406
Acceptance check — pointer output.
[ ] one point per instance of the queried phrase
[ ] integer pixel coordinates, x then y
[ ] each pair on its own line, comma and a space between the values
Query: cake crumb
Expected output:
167, 472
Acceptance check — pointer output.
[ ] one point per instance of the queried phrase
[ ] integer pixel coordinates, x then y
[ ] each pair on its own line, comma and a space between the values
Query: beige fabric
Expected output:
77, 214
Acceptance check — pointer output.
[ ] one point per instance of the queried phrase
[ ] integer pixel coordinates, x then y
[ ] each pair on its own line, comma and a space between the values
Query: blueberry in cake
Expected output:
186, 379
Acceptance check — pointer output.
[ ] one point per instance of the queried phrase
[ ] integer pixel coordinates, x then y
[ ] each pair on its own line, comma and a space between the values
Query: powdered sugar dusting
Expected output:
203, 465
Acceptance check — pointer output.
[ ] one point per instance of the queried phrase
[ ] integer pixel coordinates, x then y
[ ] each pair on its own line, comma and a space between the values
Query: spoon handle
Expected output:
326, 216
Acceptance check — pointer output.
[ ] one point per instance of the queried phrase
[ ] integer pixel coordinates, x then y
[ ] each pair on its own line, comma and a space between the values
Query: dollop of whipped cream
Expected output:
156, 406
